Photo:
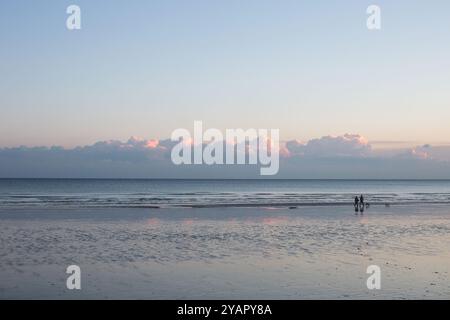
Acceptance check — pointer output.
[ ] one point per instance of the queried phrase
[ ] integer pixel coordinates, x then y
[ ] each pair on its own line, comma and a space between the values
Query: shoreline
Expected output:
284, 205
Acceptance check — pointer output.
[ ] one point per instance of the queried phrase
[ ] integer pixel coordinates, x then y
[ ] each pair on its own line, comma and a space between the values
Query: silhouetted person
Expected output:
361, 200
356, 203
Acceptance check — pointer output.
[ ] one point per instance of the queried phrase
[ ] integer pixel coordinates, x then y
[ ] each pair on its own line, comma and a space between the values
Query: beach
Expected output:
306, 252
224, 150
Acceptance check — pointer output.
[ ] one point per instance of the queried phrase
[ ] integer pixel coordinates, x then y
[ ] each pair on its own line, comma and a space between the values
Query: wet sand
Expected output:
226, 253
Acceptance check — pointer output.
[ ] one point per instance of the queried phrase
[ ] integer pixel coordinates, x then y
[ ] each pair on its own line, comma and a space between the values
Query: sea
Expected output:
148, 193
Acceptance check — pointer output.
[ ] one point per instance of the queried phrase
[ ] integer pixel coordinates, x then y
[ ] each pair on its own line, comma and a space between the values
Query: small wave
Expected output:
211, 200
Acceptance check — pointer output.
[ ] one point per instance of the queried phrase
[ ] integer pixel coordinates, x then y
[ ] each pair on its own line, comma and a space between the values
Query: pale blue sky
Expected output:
145, 68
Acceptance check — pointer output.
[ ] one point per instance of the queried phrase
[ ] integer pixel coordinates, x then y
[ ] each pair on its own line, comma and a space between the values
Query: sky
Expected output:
145, 68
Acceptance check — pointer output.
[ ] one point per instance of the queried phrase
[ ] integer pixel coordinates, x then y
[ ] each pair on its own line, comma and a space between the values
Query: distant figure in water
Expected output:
356, 203
359, 204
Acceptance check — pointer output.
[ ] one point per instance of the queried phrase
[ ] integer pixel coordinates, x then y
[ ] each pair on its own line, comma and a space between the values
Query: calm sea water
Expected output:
18, 193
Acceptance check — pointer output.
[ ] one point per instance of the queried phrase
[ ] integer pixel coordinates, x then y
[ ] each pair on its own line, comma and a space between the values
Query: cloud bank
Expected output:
348, 145
349, 156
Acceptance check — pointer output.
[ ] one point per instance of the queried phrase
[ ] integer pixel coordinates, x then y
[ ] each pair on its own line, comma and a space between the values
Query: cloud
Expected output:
134, 150
427, 151
347, 145
338, 157
421, 152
